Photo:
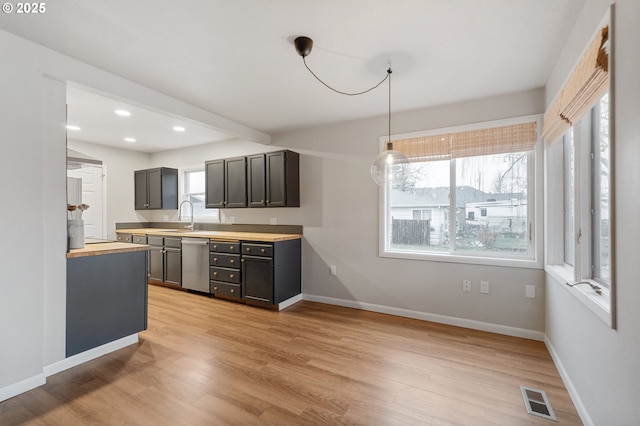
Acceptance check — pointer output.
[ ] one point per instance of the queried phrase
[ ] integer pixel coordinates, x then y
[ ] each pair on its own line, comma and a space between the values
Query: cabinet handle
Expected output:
232, 261
242, 260
230, 247
215, 259
215, 247
215, 274
248, 249
261, 201
215, 288
262, 250
221, 203
233, 290
230, 275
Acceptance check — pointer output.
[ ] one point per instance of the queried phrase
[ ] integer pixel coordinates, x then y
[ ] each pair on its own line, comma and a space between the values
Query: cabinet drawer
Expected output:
224, 260
225, 289
154, 241
140, 239
124, 238
173, 242
257, 249
224, 247
225, 274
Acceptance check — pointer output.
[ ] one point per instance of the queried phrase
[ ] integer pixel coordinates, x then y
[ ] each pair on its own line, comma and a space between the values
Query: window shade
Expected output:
494, 140
588, 82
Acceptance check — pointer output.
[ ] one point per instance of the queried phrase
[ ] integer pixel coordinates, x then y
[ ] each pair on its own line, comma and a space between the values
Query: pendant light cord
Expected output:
347, 93
389, 76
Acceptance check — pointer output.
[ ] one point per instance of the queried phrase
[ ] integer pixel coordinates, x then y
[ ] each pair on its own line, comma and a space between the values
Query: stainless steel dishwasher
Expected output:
195, 264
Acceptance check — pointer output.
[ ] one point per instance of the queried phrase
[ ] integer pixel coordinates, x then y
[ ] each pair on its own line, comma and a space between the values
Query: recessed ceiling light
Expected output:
129, 140
123, 113
179, 128
76, 128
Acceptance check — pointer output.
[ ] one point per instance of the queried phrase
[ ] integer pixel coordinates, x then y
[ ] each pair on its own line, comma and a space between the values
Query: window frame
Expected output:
535, 212
585, 135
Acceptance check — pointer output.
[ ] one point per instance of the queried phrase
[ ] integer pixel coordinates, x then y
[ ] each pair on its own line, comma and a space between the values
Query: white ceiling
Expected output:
235, 58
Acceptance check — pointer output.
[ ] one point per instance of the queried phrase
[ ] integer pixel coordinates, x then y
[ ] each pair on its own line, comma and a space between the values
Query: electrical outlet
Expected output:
484, 287
466, 286
333, 270
530, 291
273, 221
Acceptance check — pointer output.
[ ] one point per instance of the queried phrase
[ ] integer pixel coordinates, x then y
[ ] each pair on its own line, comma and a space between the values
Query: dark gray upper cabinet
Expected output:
156, 188
262, 180
214, 184
256, 187
282, 179
235, 174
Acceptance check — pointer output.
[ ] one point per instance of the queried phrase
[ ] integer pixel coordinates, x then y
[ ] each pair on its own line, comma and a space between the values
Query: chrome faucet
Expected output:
180, 214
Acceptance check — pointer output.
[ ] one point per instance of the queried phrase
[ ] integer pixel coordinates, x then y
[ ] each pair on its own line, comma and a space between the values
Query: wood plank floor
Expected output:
209, 362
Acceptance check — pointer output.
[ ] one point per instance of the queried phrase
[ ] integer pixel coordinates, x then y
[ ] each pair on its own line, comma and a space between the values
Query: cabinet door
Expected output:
276, 179
214, 184
236, 182
256, 189
154, 188
156, 264
140, 188
257, 278
173, 265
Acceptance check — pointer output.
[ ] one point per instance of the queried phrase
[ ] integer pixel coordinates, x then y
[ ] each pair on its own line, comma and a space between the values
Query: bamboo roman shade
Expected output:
586, 85
494, 140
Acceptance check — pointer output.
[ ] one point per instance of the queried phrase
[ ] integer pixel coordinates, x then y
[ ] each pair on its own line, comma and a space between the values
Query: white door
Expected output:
92, 194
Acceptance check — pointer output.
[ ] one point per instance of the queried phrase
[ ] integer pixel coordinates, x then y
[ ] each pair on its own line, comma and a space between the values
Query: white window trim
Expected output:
536, 212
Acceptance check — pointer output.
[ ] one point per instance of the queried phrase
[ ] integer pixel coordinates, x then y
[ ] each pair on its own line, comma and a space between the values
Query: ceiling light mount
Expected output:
303, 45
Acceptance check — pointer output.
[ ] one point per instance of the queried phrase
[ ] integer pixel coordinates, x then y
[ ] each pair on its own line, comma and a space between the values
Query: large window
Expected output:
466, 193
194, 191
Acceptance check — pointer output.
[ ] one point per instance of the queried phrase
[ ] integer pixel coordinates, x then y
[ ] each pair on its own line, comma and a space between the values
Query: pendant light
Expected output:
385, 166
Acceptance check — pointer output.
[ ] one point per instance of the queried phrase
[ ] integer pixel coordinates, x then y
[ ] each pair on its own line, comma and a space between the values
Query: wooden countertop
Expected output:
106, 248
213, 235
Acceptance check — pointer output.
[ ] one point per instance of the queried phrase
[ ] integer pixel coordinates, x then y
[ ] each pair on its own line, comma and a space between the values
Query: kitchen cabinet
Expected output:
262, 180
224, 265
156, 189
235, 177
282, 179
256, 174
165, 260
271, 272
214, 184
106, 298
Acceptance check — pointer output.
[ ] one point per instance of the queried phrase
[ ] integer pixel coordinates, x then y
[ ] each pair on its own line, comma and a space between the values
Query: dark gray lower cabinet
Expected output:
165, 260
271, 272
258, 273
106, 299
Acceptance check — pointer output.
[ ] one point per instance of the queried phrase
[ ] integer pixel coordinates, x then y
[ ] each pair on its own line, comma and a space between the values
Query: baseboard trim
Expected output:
425, 316
573, 393
290, 301
22, 386
85, 356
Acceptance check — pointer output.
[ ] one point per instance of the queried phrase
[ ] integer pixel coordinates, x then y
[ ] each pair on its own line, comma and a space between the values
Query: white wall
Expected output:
602, 365
119, 166
22, 161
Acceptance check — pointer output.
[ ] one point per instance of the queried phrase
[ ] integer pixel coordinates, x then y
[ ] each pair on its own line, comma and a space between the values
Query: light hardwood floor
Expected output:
210, 362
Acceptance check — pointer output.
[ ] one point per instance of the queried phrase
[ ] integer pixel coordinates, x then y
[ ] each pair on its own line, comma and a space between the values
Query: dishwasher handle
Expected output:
195, 242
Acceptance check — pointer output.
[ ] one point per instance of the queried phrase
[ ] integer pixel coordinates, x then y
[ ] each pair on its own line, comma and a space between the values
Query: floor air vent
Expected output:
537, 403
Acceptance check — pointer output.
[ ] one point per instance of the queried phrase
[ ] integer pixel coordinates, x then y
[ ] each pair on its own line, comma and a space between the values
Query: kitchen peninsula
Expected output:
106, 294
